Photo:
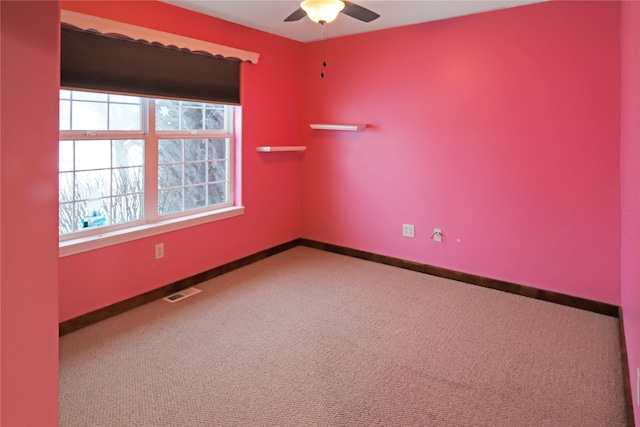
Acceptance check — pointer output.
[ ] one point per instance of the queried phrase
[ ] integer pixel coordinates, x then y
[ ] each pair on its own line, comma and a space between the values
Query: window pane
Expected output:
91, 111
195, 149
195, 197
128, 152
127, 208
205, 161
192, 119
170, 201
87, 192
170, 151
92, 185
217, 171
89, 96
124, 99
167, 114
65, 115
65, 185
195, 173
214, 119
66, 219
89, 116
125, 117
217, 193
65, 157
184, 115
127, 181
93, 155
170, 176
217, 148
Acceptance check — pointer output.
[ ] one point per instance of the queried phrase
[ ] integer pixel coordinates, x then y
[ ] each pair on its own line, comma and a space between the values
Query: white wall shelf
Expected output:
335, 126
274, 148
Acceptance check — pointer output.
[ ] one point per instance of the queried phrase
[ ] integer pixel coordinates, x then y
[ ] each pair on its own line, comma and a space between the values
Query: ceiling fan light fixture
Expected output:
322, 10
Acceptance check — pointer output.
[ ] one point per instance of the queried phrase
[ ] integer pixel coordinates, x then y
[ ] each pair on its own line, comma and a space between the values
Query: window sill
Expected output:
89, 243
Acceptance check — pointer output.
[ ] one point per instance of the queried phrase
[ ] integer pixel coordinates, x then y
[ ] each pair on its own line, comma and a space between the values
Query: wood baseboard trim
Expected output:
120, 307
526, 291
87, 319
628, 396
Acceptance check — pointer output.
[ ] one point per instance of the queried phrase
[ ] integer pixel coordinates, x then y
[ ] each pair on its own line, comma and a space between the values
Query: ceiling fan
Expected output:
324, 11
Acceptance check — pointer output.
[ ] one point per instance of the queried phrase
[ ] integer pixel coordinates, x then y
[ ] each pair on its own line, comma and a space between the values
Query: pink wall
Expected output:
29, 80
271, 182
501, 129
630, 173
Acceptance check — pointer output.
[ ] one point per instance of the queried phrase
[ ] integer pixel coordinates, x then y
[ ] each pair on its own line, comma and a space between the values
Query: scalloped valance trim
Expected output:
106, 26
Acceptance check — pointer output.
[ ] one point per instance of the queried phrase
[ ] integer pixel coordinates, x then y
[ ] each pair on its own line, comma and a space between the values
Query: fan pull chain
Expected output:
324, 64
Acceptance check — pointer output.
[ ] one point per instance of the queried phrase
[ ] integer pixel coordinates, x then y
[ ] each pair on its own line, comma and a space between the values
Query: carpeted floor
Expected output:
311, 338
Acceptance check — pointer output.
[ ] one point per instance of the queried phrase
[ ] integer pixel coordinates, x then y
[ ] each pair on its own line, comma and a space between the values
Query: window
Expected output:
127, 161
145, 145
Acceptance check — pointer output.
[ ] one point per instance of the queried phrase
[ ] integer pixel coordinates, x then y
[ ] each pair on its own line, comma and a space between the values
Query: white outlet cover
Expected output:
408, 230
159, 250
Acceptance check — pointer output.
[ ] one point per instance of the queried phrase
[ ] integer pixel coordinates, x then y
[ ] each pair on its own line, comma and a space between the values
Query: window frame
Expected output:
152, 222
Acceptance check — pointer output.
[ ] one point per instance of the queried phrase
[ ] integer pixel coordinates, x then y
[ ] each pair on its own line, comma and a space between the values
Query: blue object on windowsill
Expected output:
95, 220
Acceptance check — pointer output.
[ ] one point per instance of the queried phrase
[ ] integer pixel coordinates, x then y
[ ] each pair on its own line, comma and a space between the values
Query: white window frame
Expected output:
153, 224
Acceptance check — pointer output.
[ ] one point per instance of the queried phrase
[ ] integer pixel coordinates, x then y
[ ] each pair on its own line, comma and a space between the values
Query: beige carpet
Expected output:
310, 338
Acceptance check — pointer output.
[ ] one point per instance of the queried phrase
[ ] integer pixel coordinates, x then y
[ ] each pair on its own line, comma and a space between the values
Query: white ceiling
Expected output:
268, 15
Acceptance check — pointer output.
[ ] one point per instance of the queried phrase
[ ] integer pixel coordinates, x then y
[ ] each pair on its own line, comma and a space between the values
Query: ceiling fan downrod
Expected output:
324, 63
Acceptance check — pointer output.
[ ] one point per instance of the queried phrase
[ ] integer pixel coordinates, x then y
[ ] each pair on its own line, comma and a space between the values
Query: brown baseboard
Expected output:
138, 300
555, 297
628, 397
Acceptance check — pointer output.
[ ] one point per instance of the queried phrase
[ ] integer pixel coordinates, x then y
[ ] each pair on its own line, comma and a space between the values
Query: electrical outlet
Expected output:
159, 250
408, 230
437, 235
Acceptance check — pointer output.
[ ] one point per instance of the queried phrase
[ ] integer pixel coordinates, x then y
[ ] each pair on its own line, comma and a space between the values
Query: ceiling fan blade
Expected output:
296, 16
361, 13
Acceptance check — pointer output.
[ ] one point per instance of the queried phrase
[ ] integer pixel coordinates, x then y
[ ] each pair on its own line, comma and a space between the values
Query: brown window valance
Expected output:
115, 62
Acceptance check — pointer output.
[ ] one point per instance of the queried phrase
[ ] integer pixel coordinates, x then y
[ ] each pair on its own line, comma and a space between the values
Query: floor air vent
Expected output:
185, 293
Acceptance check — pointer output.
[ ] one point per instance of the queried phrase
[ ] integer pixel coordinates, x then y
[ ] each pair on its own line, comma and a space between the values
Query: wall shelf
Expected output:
335, 126
274, 148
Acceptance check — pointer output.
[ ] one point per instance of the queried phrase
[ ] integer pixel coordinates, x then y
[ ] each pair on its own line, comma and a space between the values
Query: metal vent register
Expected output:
182, 295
